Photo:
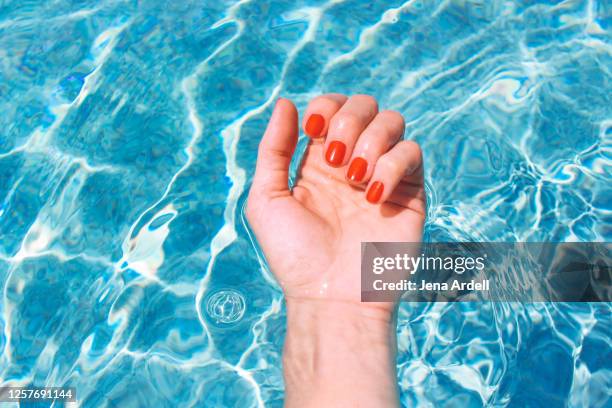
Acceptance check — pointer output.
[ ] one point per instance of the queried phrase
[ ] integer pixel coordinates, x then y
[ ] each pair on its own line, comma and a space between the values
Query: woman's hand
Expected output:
358, 182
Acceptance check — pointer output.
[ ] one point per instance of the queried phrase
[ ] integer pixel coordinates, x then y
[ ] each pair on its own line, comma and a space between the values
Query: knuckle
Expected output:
272, 153
393, 118
345, 119
389, 164
366, 99
327, 101
410, 146
331, 97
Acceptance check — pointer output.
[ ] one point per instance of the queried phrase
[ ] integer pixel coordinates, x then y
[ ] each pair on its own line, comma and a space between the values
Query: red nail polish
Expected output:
314, 125
375, 192
357, 170
335, 153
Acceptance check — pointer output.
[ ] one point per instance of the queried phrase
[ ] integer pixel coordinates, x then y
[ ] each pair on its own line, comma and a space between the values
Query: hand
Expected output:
358, 182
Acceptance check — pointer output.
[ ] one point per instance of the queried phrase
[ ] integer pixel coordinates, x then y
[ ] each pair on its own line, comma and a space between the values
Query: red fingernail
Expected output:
375, 192
335, 153
314, 125
357, 169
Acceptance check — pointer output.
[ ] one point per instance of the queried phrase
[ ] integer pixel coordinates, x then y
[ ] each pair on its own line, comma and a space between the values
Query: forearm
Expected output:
339, 354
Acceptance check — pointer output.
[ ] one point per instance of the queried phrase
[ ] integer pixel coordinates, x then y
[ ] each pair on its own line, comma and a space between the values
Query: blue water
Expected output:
128, 141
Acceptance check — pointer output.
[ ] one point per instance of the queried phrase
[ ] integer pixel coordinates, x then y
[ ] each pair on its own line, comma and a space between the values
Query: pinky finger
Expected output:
403, 164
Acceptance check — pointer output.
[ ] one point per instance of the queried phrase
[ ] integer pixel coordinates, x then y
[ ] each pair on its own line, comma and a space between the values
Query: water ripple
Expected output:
128, 146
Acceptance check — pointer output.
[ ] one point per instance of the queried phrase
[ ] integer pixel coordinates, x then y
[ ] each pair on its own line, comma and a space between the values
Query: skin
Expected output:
338, 351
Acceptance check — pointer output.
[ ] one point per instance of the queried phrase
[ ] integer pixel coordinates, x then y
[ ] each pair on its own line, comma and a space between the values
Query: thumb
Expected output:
276, 149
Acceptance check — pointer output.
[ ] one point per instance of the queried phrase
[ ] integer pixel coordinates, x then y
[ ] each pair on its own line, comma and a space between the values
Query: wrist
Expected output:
325, 315
343, 351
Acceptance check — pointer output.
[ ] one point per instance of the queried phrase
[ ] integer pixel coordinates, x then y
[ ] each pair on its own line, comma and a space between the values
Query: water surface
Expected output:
128, 141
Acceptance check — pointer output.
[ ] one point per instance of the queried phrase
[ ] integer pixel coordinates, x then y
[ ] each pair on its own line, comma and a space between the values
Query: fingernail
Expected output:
375, 192
314, 125
335, 153
357, 169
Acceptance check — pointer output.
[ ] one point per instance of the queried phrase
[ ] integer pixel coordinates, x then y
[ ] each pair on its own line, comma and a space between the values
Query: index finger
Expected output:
319, 113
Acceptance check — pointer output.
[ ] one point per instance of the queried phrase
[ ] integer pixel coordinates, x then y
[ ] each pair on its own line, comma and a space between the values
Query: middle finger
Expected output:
346, 126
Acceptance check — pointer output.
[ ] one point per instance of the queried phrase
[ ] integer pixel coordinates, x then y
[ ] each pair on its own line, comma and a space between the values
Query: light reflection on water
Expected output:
128, 142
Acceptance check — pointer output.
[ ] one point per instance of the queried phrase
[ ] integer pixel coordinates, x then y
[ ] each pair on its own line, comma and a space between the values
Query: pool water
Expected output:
128, 141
